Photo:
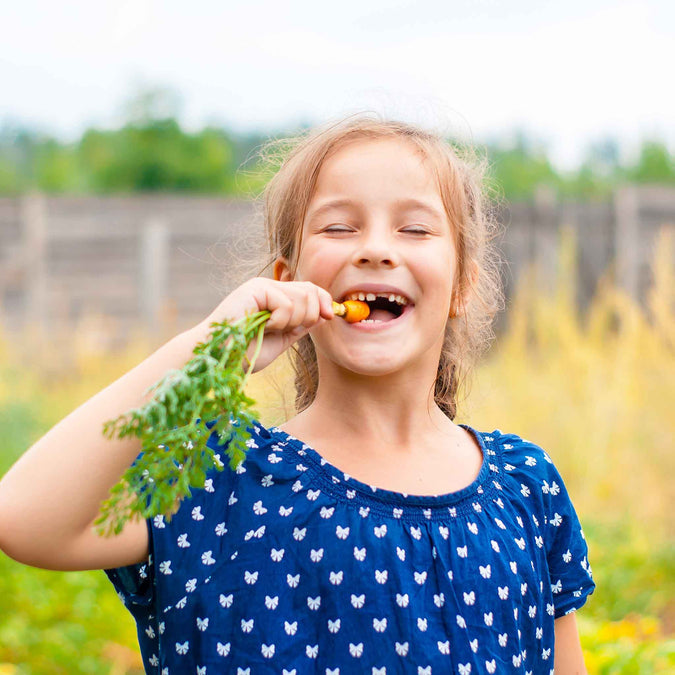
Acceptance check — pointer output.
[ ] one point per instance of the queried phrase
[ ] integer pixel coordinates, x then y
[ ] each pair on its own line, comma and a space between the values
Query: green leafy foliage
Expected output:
157, 155
151, 152
172, 426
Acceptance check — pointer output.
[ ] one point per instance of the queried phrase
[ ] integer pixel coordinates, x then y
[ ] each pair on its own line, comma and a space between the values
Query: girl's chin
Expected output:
371, 363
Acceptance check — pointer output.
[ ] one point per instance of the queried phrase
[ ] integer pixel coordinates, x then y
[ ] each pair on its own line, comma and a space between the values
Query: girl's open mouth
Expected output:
383, 314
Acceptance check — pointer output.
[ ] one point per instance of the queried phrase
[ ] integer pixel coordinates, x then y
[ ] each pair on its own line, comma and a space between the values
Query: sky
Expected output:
566, 73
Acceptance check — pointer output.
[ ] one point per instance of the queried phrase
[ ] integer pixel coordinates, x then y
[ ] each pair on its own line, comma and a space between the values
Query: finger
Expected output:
326, 303
313, 309
282, 308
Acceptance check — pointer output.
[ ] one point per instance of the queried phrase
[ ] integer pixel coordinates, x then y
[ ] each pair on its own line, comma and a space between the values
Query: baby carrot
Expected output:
351, 310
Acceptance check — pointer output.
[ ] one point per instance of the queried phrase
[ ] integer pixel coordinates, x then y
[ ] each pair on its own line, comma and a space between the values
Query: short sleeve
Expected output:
566, 546
134, 583
136, 588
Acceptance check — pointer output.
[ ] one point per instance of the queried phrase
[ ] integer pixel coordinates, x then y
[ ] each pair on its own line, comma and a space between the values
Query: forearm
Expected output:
54, 491
569, 657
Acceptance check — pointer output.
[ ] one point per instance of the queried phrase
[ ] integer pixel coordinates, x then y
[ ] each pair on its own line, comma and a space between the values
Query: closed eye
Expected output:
416, 230
337, 228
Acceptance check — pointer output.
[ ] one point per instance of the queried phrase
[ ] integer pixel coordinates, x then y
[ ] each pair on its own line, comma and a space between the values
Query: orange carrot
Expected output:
351, 310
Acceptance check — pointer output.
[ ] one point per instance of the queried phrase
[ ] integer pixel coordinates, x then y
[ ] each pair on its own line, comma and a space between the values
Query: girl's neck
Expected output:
372, 417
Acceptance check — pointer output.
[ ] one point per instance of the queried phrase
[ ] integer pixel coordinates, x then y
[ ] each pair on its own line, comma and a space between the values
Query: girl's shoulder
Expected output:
528, 467
520, 456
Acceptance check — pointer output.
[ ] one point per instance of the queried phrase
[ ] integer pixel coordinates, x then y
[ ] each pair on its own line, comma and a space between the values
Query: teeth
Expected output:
399, 299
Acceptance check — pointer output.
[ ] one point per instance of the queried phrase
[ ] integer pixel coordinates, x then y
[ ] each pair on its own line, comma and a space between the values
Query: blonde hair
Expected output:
296, 163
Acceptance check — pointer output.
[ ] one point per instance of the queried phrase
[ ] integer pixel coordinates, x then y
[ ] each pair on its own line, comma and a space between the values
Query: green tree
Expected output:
519, 167
655, 164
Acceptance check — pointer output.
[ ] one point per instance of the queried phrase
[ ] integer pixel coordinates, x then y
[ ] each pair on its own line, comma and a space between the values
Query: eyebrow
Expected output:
408, 204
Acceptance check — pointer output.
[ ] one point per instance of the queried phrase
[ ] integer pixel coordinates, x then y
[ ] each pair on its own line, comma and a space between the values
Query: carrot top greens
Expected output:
172, 426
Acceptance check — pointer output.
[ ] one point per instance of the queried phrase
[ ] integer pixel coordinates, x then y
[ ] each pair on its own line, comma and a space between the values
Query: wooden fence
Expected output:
165, 262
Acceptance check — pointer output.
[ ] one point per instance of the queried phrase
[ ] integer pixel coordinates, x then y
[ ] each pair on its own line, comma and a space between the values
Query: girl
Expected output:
369, 533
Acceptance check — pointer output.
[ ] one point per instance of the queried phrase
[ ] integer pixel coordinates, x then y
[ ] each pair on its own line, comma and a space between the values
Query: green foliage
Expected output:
172, 425
151, 152
655, 165
63, 623
157, 155
519, 169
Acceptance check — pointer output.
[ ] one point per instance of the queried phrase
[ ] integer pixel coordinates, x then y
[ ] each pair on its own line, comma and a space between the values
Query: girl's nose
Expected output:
375, 250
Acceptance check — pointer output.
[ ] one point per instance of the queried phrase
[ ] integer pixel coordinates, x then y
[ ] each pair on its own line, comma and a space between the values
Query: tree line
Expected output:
152, 152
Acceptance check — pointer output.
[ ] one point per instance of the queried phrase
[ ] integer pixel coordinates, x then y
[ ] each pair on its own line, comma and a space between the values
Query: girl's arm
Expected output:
51, 497
569, 659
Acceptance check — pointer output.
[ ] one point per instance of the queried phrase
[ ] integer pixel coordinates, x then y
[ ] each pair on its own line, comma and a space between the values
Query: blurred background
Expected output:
129, 177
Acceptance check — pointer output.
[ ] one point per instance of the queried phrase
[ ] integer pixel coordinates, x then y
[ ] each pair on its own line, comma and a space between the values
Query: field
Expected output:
596, 392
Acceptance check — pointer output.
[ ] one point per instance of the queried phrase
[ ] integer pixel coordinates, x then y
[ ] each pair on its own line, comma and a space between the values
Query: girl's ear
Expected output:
281, 270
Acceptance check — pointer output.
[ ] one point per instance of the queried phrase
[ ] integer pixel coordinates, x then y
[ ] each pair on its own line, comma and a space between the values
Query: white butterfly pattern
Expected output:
360, 553
402, 648
420, 577
250, 577
380, 625
341, 532
356, 650
381, 576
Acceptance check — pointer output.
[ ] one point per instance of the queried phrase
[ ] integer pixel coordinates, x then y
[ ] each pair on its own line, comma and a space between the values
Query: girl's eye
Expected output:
337, 228
416, 230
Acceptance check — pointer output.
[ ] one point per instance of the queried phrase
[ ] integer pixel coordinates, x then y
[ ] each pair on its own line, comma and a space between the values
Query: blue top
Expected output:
288, 565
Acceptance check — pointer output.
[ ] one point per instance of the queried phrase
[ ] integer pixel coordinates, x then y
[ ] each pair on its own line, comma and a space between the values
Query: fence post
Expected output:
626, 232
153, 272
545, 237
33, 212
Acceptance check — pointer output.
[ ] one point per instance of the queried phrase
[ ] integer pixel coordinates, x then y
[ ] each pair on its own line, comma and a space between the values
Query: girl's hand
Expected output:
295, 306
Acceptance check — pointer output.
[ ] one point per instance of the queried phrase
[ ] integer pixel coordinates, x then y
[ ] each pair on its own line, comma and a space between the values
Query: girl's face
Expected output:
376, 223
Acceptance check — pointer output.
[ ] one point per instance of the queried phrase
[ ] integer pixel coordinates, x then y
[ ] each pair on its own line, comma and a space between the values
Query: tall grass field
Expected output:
595, 391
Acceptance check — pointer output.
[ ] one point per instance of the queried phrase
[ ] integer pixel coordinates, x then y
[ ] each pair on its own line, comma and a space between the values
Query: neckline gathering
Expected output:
390, 502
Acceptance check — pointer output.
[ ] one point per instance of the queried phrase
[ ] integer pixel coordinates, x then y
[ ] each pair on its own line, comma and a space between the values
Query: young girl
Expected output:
369, 533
